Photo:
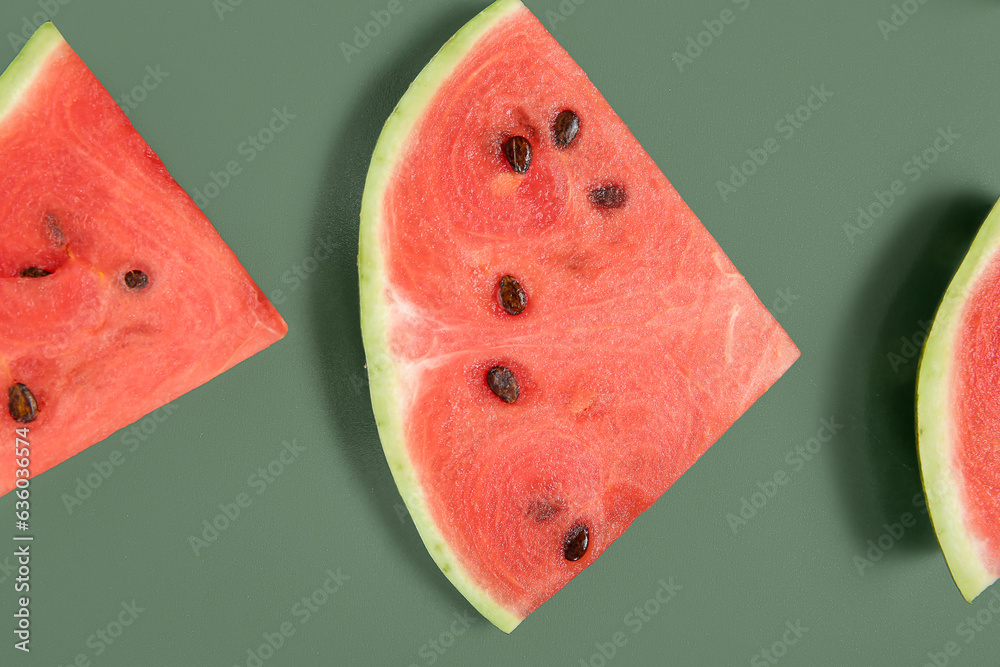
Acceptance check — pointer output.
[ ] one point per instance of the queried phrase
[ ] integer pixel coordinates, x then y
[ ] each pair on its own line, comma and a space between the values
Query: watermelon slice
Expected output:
552, 336
116, 294
958, 416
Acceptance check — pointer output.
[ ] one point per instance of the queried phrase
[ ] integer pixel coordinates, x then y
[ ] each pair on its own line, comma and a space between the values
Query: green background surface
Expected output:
849, 300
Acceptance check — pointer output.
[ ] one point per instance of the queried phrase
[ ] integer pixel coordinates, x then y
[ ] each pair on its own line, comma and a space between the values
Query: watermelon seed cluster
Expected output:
34, 272
21, 404
513, 299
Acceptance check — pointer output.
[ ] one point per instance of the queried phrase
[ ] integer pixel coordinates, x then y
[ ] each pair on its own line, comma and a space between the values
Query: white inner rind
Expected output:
942, 479
384, 372
21, 72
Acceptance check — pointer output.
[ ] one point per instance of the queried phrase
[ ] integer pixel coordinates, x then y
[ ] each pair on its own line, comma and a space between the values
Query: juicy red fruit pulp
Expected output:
636, 346
977, 426
116, 293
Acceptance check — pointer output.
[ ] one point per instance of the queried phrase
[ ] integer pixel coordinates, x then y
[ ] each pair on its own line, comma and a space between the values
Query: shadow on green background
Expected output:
878, 467
333, 297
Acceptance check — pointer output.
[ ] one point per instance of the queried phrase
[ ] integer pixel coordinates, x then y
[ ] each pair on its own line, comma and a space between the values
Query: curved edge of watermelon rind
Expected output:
19, 74
963, 551
383, 373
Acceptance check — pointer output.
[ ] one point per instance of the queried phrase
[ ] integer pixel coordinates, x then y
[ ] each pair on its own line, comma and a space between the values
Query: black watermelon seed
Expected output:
22, 404
565, 129
576, 543
518, 152
136, 280
608, 196
503, 383
34, 272
512, 296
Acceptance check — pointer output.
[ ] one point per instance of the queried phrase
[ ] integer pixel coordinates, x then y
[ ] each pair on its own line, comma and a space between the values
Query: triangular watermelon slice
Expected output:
958, 416
116, 293
552, 336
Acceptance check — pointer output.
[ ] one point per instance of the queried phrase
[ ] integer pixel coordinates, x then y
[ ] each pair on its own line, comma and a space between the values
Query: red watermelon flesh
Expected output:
640, 343
977, 427
958, 416
88, 209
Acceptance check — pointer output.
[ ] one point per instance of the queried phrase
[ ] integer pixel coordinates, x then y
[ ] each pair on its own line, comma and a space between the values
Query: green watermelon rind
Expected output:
383, 373
963, 551
22, 70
